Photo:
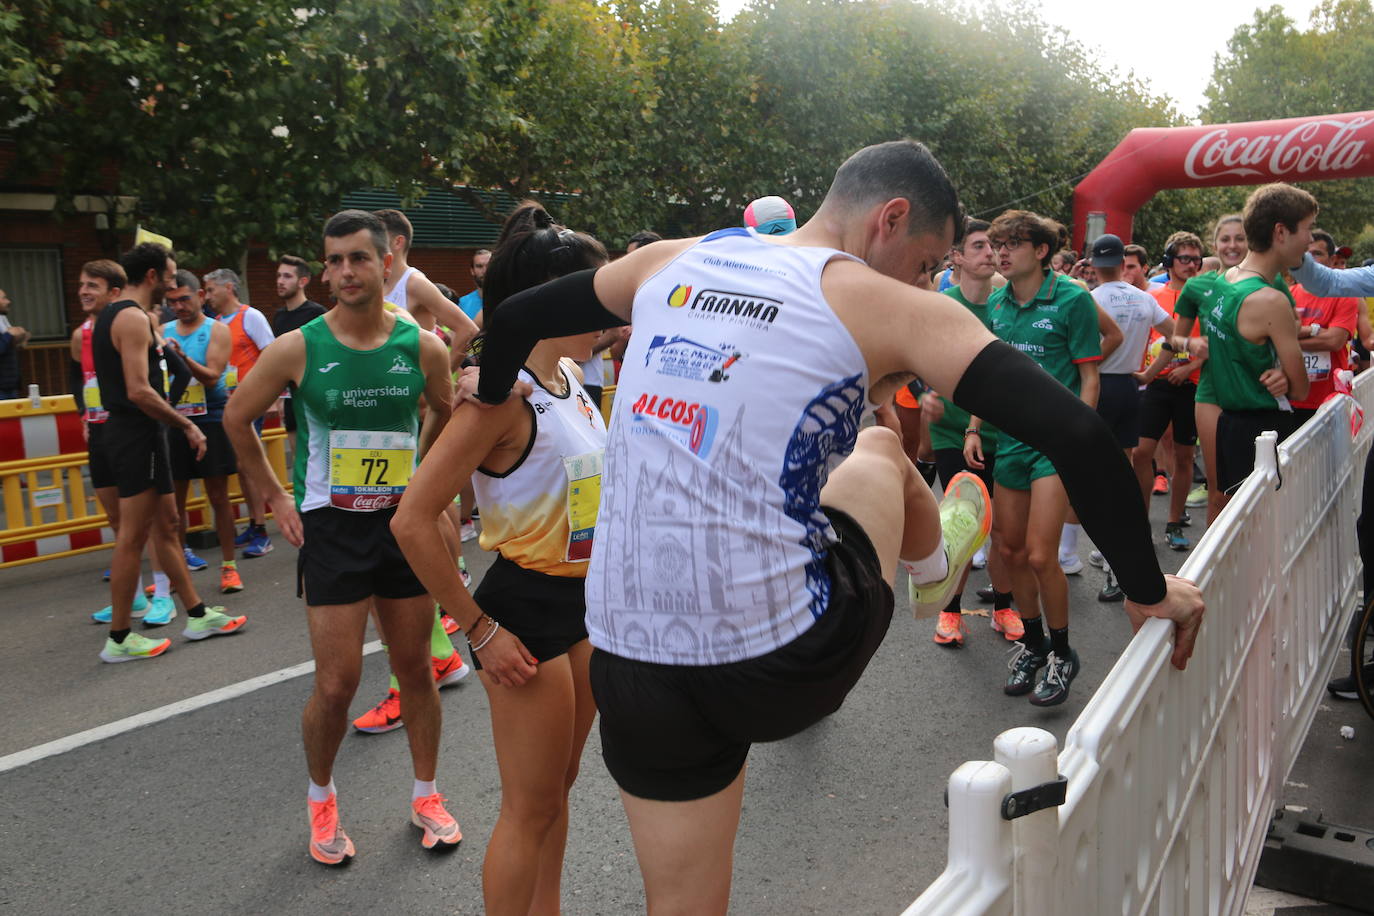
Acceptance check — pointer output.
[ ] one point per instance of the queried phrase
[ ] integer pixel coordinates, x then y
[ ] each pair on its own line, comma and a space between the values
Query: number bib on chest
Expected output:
1318, 364
192, 403
90, 392
369, 470
231, 378
584, 501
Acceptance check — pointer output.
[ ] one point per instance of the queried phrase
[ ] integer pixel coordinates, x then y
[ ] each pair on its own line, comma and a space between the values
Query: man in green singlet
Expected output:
359, 373
1252, 328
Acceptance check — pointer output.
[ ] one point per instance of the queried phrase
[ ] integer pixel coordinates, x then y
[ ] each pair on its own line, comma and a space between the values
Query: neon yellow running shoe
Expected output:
965, 520
134, 648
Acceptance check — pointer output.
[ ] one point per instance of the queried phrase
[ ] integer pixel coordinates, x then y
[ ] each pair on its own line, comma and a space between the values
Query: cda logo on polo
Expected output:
1310, 148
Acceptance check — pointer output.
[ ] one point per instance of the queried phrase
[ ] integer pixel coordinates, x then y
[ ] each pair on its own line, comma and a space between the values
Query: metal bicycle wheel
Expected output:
1363, 648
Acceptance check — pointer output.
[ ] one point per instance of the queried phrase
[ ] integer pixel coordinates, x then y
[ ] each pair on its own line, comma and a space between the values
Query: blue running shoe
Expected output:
245, 537
105, 576
193, 562
161, 613
260, 546
140, 605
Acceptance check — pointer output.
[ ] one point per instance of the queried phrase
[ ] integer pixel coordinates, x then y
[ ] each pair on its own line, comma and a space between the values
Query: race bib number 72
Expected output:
369, 471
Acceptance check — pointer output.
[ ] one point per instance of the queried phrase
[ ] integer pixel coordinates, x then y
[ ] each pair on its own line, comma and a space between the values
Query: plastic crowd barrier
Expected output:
1172, 777
49, 509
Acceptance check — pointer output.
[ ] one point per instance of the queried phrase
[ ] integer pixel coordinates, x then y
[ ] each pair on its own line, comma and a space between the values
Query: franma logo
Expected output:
721, 302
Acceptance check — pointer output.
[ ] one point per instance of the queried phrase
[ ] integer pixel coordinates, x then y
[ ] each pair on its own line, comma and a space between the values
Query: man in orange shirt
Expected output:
1168, 400
251, 334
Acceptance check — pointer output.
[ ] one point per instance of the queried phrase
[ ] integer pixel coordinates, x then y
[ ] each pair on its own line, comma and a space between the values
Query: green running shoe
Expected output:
214, 623
133, 648
965, 519
1197, 497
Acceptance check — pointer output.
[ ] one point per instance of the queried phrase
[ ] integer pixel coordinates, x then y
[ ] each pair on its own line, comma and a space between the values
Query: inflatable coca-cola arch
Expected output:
1152, 159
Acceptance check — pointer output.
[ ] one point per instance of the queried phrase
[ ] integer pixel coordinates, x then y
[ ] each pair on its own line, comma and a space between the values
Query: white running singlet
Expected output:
398, 296
740, 392
541, 514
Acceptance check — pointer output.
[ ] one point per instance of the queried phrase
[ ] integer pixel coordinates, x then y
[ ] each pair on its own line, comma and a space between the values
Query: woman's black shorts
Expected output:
677, 733
1236, 433
547, 613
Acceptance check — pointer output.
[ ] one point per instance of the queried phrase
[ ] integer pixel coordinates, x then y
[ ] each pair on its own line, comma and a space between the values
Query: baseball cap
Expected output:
1107, 251
1344, 251
770, 216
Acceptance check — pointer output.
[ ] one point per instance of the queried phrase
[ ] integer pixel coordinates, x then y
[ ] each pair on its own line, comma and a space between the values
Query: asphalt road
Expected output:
204, 812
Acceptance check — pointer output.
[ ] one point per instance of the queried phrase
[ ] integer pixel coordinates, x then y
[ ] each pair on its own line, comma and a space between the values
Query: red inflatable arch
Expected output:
1151, 159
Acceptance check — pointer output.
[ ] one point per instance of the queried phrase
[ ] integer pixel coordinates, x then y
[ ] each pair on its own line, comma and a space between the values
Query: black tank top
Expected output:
109, 369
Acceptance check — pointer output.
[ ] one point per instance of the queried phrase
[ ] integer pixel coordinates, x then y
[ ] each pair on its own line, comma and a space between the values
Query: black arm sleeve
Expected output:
558, 308
180, 375
1003, 386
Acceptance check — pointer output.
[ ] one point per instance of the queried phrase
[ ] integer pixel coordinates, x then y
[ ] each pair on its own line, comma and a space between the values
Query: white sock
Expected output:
320, 793
422, 789
1068, 540
162, 586
930, 569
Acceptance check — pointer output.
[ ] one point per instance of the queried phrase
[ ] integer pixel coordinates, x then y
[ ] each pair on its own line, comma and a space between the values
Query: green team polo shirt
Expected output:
1195, 301
948, 431
1057, 328
1237, 363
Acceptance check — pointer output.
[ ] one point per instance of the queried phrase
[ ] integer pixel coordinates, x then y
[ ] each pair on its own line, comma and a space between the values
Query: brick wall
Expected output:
78, 241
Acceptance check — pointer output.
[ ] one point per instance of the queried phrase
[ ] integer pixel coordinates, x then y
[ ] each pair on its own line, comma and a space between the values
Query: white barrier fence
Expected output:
1172, 777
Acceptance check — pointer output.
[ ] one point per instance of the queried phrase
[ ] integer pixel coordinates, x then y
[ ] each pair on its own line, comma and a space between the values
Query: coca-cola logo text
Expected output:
1310, 148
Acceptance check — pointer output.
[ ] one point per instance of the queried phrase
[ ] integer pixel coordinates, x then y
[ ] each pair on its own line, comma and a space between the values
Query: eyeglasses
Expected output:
1008, 244
1188, 258
179, 300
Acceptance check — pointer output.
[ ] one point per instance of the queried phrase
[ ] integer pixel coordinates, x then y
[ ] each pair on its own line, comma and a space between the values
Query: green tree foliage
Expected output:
1272, 69
248, 120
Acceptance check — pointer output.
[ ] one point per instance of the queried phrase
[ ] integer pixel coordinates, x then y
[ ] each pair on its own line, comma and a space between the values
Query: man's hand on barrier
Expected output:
1183, 605
288, 519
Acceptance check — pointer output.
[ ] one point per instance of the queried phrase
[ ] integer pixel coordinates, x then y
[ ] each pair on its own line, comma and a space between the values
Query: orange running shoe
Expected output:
450, 625
949, 629
384, 717
428, 813
450, 670
1161, 487
229, 580
1008, 623
329, 845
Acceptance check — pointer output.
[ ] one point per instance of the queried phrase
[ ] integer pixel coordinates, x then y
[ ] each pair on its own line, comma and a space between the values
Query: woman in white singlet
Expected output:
535, 464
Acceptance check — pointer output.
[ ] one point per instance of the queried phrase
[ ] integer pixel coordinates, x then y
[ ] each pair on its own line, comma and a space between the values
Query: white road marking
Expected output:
152, 716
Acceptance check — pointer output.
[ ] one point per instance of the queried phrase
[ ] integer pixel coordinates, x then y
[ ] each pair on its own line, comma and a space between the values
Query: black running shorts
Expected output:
1164, 403
547, 613
102, 472
135, 447
678, 733
350, 556
219, 454
1118, 402
1236, 432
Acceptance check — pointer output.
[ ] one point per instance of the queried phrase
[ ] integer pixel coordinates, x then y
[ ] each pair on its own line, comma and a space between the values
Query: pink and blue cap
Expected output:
770, 216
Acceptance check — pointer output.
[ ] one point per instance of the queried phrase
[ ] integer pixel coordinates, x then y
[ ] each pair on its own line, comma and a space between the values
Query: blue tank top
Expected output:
200, 402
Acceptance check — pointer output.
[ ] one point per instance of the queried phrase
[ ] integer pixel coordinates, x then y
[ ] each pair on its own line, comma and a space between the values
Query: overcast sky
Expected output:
1168, 43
